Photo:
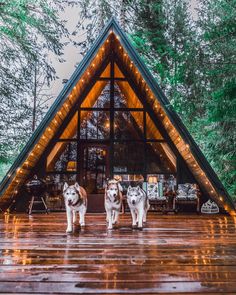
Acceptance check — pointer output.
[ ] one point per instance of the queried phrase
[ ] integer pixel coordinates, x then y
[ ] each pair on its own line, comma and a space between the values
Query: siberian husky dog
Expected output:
113, 200
76, 201
138, 204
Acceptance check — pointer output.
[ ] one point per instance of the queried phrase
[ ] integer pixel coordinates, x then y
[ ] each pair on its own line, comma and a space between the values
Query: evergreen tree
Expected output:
218, 40
29, 31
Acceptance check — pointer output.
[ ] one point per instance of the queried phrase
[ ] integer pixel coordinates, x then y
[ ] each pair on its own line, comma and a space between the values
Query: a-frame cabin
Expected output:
111, 118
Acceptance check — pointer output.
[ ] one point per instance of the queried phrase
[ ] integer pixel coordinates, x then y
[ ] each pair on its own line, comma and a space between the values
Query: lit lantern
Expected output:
152, 179
71, 166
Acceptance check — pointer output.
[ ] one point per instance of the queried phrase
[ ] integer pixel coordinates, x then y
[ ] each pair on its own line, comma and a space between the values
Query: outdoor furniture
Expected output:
158, 201
187, 194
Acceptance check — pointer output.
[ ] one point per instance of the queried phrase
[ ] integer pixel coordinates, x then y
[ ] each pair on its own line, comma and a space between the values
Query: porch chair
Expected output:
187, 194
156, 197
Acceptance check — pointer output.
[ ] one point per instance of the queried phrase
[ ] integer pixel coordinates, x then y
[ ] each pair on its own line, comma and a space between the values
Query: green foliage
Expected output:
194, 63
30, 30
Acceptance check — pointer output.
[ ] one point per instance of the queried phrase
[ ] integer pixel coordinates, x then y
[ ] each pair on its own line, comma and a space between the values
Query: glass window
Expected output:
98, 96
129, 157
71, 129
160, 158
152, 132
128, 125
125, 97
95, 125
63, 157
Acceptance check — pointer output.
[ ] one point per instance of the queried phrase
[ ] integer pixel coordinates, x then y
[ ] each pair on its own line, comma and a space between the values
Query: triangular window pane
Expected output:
160, 158
98, 96
63, 157
128, 125
152, 131
125, 96
71, 129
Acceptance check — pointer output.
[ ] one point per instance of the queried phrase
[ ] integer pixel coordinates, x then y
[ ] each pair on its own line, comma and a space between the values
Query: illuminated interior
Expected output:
110, 133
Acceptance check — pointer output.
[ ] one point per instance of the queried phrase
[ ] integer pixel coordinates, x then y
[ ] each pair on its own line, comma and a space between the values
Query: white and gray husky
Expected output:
75, 201
112, 202
138, 204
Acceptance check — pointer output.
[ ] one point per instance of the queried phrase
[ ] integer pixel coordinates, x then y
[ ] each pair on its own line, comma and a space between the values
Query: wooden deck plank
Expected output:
184, 254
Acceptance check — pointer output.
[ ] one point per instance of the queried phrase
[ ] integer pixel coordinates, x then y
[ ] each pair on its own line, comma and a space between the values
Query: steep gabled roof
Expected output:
92, 64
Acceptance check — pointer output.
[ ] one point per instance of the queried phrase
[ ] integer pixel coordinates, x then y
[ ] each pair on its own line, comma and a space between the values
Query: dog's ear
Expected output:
65, 186
77, 186
129, 187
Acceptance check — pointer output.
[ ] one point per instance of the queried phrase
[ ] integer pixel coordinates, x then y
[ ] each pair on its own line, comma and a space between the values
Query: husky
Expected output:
113, 201
138, 204
75, 198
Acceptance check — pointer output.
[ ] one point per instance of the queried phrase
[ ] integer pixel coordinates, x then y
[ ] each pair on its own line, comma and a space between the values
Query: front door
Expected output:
94, 172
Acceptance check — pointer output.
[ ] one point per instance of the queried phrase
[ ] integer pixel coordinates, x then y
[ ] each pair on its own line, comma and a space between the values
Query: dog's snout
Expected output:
69, 201
115, 195
133, 202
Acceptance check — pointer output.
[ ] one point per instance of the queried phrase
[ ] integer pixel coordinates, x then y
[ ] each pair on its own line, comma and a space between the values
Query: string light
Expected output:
187, 146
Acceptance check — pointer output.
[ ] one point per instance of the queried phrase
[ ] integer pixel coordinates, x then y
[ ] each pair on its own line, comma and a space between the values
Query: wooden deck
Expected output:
173, 254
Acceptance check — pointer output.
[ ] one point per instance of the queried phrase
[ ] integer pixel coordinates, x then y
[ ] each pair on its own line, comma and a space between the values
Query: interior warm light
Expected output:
152, 179
71, 166
107, 124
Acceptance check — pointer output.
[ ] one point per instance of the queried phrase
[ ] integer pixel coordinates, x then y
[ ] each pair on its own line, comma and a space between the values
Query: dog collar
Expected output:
77, 202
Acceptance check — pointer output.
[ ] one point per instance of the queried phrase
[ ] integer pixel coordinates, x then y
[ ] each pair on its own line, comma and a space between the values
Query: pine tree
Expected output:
218, 40
29, 31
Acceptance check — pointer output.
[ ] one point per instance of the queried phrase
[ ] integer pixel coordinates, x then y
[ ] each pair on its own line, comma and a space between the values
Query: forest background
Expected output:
189, 46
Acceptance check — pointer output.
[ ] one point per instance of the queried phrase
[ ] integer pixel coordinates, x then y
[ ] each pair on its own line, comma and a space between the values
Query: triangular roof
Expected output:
162, 109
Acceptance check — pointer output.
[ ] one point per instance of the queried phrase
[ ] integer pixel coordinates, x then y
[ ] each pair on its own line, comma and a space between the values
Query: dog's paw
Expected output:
134, 226
109, 227
140, 228
68, 230
82, 224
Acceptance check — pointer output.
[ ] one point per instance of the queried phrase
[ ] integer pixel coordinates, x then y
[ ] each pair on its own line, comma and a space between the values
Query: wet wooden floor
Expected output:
173, 254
